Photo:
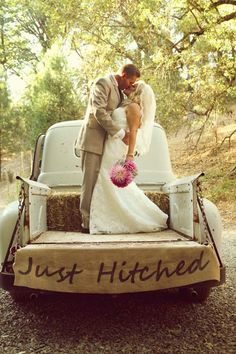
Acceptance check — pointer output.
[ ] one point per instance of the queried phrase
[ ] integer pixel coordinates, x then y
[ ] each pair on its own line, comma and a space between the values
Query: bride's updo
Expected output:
135, 96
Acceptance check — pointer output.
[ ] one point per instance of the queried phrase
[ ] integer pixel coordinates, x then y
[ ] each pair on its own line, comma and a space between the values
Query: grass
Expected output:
218, 187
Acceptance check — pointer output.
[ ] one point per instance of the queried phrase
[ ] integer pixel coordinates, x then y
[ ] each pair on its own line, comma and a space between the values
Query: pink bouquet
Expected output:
123, 173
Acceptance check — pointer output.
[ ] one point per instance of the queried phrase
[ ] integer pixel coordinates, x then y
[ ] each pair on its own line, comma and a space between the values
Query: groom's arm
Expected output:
99, 100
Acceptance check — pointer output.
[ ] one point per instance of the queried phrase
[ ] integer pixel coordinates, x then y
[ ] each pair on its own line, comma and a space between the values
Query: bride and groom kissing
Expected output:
115, 127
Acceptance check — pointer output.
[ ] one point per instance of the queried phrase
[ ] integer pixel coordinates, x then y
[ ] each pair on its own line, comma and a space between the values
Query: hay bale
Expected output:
160, 199
63, 212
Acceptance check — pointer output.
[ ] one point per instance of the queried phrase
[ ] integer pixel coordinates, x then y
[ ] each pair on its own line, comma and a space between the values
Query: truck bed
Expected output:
63, 237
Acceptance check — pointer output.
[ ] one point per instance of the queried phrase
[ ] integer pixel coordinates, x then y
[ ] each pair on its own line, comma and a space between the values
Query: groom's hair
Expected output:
131, 70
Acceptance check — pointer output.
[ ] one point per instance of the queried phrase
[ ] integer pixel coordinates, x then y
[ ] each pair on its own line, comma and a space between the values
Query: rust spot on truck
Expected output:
26, 221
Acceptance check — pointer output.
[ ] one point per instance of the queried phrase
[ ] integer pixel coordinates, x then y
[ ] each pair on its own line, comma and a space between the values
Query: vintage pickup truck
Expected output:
42, 248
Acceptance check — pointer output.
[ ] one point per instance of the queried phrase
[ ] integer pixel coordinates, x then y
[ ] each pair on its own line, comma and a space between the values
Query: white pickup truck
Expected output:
42, 248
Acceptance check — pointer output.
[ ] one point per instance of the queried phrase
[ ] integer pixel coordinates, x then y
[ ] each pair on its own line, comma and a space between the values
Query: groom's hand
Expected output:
126, 138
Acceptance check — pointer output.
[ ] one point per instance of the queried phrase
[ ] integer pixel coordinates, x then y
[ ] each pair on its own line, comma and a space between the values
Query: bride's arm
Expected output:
133, 116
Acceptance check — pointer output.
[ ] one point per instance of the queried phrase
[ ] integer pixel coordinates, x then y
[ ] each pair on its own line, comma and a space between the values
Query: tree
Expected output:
50, 96
185, 49
4, 103
15, 48
10, 123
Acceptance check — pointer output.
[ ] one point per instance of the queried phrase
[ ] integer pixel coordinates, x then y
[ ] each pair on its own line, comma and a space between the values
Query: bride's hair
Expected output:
135, 96
145, 98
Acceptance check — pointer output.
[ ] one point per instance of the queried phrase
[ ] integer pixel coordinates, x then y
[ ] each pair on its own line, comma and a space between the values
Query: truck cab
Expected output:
42, 247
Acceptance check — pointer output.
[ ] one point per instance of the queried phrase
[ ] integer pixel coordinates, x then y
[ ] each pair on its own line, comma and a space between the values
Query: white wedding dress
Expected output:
121, 210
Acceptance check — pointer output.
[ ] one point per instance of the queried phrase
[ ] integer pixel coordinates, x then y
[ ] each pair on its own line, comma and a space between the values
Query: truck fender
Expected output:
8, 219
214, 222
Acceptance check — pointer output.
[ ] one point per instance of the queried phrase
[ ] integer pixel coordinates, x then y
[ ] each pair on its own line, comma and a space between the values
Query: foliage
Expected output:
184, 48
10, 122
50, 96
15, 46
4, 104
220, 187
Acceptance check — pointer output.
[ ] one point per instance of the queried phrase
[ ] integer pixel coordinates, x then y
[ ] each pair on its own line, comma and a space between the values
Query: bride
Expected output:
127, 210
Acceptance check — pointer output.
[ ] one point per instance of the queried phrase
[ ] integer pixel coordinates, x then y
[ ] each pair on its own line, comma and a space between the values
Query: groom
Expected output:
105, 96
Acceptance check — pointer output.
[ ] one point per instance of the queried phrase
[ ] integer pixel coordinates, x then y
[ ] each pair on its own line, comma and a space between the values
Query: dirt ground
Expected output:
216, 163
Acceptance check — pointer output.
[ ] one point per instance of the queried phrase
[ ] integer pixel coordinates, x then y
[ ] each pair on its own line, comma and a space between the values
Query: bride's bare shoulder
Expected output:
133, 109
133, 115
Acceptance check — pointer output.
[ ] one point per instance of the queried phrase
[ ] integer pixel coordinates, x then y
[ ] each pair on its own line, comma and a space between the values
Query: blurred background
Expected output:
52, 50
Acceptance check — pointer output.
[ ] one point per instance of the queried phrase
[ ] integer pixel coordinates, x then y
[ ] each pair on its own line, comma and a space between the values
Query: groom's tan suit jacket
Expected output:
104, 98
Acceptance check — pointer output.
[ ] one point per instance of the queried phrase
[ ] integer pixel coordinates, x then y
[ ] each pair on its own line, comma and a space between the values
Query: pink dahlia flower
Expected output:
130, 165
120, 176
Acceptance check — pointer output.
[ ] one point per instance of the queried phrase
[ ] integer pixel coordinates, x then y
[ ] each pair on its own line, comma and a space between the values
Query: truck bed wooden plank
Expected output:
77, 237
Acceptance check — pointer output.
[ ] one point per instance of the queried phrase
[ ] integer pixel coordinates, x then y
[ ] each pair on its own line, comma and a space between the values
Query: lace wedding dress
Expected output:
121, 210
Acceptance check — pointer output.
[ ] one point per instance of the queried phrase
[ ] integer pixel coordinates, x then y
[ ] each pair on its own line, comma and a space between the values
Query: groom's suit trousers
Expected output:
90, 165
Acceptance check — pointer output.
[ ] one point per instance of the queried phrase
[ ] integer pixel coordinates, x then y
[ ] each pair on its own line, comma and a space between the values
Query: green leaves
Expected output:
184, 48
51, 96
